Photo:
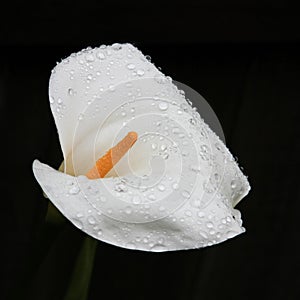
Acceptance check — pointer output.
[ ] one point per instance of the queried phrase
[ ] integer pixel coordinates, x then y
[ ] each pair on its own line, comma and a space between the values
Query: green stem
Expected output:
80, 279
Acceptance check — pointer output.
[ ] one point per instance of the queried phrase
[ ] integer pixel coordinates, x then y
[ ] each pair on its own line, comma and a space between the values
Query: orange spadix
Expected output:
112, 156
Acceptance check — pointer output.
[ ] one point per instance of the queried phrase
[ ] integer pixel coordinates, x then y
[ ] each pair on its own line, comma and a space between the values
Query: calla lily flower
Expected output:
173, 185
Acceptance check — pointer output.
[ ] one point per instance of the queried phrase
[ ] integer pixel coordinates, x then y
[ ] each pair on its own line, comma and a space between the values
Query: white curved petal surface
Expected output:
91, 84
177, 186
135, 225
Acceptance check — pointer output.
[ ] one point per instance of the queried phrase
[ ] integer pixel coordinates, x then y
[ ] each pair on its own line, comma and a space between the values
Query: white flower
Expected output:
176, 187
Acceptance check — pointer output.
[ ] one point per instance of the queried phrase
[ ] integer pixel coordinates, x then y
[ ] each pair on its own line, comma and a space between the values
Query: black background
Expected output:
243, 58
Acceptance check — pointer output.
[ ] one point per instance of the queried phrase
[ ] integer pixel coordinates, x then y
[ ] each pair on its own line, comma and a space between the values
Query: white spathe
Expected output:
178, 185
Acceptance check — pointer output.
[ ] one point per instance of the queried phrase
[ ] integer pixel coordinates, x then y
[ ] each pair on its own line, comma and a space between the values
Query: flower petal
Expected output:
139, 225
88, 86
177, 186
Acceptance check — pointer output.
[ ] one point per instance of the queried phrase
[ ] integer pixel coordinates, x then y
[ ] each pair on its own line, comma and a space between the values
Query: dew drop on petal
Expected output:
100, 55
116, 46
78, 223
175, 186
128, 210
233, 184
161, 187
157, 248
136, 200
140, 72
201, 214
74, 190
91, 220
89, 57
209, 225
163, 106
230, 234
111, 88
130, 66
186, 194
131, 245
153, 146
71, 92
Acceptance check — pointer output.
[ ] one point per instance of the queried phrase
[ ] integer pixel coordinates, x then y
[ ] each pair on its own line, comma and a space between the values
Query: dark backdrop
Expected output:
243, 58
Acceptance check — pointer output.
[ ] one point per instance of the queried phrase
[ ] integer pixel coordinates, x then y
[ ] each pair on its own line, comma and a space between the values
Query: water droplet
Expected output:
103, 199
162, 208
78, 223
157, 248
130, 66
192, 121
233, 184
195, 169
140, 72
100, 55
186, 194
151, 197
201, 214
209, 225
74, 190
128, 210
203, 234
176, 130
161, 187
184, 107
165, 156
163, 147
153, 146
121, 187
91, 220
208, 187
160, 78
204, 148
188, 213
131, 245
230, 234
216, 177
89, 57
175, 186
71, 92
111, 87
116, 46
163, 106
212, 232
136, 200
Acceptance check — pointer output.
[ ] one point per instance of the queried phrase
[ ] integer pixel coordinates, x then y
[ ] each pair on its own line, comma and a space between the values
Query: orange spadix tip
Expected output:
112, 156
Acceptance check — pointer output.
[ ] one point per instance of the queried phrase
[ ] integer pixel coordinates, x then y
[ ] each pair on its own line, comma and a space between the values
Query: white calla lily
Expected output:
177, 186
